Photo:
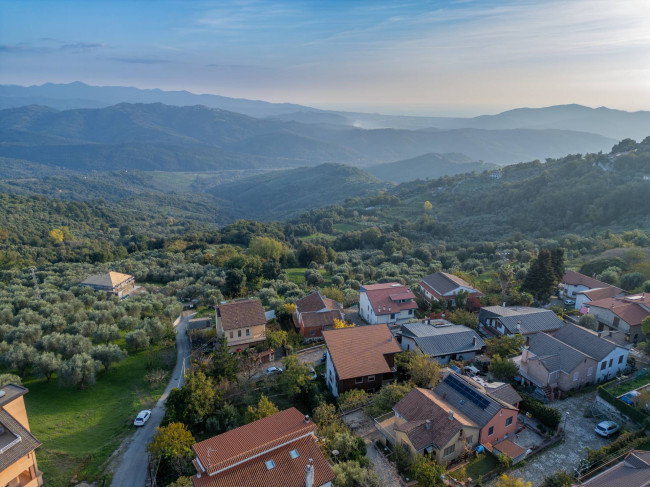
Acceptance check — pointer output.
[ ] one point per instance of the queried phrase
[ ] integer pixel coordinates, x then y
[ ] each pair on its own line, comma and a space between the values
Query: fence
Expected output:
629, 411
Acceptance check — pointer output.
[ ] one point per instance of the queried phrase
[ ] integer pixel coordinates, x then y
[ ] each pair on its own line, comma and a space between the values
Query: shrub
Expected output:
548, 416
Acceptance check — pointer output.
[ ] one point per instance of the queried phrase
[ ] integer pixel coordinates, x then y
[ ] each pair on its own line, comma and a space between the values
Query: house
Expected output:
552, 365
494, 412
442, 340
442, 286
596, 294
518, 319
280, 450
623, 313
18, 465
386, 303
242, 322
634, 471
360, 358
574, 282
113, 283
609, 354
315, 313
426, 425
509, 449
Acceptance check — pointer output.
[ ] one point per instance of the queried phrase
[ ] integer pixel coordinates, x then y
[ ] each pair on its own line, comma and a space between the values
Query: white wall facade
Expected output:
330, 376
368, 313
571, 290
617, 364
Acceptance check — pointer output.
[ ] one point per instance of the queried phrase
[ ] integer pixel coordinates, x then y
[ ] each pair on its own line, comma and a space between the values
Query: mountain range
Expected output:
155, 136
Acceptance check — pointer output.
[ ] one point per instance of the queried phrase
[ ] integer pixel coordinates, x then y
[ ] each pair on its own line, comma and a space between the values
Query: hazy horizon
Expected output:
436, 58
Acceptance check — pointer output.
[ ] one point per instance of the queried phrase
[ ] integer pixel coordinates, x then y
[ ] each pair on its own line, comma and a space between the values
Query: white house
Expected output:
574, 283
589, 295
386, 303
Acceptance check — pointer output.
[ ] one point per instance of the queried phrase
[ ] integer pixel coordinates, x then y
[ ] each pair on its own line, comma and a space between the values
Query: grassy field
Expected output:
297, 275
483, 464
347, 227
80, 429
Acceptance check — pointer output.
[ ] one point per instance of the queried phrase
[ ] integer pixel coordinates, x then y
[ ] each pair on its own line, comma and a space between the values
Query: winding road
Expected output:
131, 469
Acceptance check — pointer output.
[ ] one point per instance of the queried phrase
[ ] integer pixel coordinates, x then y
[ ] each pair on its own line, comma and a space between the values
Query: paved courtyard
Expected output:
567, 454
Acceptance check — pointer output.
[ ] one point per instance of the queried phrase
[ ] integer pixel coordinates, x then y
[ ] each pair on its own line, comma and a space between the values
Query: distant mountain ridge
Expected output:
156, 136
617, 124
427, 166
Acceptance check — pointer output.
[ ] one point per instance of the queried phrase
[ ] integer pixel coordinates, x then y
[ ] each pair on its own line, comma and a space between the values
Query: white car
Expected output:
142, 417
312, 374
569, 302
274, 370
607, 428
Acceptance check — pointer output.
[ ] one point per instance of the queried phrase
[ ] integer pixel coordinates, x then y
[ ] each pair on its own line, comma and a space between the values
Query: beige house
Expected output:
18, 467
113, 283
242, 322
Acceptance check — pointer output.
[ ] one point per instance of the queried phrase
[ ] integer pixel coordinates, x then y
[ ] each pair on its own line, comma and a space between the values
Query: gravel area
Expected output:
567, 454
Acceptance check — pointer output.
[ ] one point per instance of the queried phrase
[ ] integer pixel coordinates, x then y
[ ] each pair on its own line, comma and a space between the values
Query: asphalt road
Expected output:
131, 470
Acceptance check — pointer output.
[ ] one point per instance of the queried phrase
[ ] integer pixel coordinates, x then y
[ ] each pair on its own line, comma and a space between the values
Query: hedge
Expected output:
629, 411
549, 417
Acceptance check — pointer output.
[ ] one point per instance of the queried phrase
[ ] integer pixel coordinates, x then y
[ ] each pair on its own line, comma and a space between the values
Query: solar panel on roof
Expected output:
467, 391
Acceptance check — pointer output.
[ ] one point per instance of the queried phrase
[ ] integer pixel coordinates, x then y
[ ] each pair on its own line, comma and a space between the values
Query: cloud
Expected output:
82, 46
138, 60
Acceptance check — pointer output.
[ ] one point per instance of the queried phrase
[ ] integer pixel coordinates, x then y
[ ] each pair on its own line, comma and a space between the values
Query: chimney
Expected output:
451, 415
390, 338
306, 418
527, 344
309, 474
429, 321
389, 308
475, 341
427, 424
503, 304
519, 326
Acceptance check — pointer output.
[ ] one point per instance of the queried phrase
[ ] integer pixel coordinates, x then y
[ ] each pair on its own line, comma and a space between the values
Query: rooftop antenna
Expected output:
37, 291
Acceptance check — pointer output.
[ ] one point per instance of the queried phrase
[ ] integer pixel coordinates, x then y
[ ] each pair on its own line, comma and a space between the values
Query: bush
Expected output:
548, 416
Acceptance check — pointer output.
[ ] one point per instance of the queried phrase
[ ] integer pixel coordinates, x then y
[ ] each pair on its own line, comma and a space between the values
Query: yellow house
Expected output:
242, 322
18, 466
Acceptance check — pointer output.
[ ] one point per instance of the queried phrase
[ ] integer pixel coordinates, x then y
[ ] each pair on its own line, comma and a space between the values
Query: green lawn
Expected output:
630, 386
481, 465
80, 429
320, 236
297, 275
347, 227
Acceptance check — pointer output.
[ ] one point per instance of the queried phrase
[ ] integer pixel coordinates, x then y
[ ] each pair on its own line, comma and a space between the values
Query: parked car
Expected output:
569, 302
142, 417
607, 428
274, 370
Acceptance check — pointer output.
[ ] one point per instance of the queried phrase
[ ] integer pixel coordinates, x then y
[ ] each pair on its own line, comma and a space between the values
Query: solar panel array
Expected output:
467, 391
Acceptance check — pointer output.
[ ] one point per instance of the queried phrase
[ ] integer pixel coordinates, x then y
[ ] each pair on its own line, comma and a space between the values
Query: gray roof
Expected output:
444, 283
505, 393
634, 471
443, 340
555, 354
463, 403
585, 340
25, 442
531, 320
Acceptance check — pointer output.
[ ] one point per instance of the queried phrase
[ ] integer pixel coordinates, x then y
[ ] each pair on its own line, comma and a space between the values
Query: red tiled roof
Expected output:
237, 445
331, 304
381, 297
288, 471
602, 292
311, 302
238, 314
626, 308
359, 351
574, 278
320, 319
509, 448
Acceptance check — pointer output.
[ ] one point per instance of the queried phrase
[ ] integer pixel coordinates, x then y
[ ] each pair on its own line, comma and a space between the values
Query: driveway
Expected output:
567, 454
311, 356
131, 470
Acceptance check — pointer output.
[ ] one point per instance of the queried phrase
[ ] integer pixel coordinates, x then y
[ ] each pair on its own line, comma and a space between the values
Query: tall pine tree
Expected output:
541, 277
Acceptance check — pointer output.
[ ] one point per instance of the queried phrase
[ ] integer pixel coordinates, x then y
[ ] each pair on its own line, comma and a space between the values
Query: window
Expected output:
616, 321
294, 454
491, 431
590, 371
469, 440
509, 421
576, 376
270, 464
620, 359
231, 335
611, 361
603, 365
449, 450
392, 316
410, 311
312, 333
358, 380
371, 378
238, 333
248, 332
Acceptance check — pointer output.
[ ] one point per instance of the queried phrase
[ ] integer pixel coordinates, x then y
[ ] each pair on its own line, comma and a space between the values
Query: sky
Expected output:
451, 57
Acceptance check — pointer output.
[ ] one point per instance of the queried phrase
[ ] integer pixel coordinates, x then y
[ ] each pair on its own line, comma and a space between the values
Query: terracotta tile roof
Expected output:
322, 318
252, 439
509, 448
241, 313
421, 405
288, 471
382, 296
627, 308
634, 471
574, 278
602, 292
311, 302
111, 279
359, 351
331, 304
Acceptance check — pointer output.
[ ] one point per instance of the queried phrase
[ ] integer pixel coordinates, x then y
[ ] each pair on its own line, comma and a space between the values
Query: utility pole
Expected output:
37, 291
